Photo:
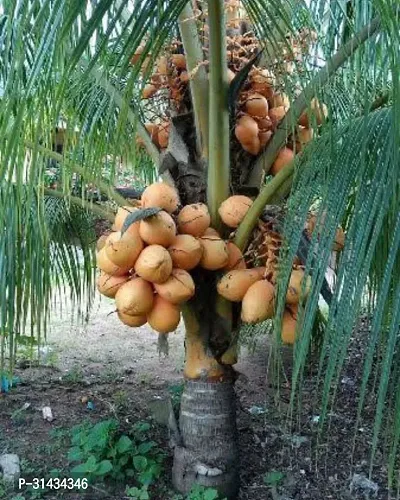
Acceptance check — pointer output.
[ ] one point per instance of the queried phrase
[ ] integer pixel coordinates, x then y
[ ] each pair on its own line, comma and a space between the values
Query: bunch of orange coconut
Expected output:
262, 107
145, 264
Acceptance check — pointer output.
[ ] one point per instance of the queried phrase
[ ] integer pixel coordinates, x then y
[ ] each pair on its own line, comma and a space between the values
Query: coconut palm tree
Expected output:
333, 66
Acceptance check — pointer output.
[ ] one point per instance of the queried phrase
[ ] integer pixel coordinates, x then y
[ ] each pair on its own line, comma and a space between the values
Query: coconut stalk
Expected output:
218, 166
198, 75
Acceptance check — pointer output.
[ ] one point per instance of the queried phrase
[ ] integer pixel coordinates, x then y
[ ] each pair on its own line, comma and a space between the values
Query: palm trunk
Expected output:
208, 452
209, 455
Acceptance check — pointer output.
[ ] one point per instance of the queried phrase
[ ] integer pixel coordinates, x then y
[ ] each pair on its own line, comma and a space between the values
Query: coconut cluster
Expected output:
146, 268
261, 104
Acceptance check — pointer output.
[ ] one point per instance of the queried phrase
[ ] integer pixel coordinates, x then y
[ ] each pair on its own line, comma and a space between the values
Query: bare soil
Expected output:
119, 370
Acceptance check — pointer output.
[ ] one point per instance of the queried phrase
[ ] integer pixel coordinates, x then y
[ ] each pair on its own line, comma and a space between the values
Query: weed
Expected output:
200, 493
121, 400
103, 452
74, 376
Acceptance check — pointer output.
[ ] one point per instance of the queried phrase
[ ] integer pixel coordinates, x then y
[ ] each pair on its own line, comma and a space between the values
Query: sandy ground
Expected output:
105, 344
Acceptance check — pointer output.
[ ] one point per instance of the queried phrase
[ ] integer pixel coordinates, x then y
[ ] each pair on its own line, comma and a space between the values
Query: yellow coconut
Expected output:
164, 316
131, 320
149, 91
294, 290
123, 249
159, 229
258, 302
280, 99
215, 253
120, 217
185, 251
194, 219
163, 134
233, 209
179, 61
235, 258
289, 324
317, 112
154, 264
234, 285
178, 288
135, 297
107, 266
246, 132
210, 231
285, 156
256, 105
160, 195
109, 285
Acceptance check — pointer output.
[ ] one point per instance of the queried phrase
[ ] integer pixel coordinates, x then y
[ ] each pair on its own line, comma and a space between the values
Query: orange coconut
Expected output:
295, 287
304, 135
135, 297
262, 81
123, 249
164, 316
160, 195
163, 134
102, 241
120, 217
130, 320
194, 219
185, 251
277, 114
159, 229
280, 99
317, 112
107, 266
109, 285
210, 231
234, 209
289, 324
246, 132
258, 302
179, 61
235, 258
149, 91
256, 105
234, 285
264, 137
178, 288
215, 253
285, 156
338, 244
154, 264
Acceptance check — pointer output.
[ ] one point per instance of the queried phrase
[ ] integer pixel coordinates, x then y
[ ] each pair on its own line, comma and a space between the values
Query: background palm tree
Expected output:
70, 62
